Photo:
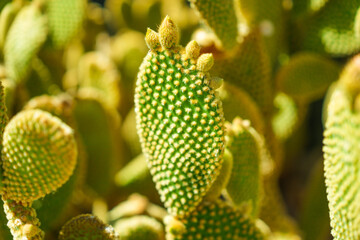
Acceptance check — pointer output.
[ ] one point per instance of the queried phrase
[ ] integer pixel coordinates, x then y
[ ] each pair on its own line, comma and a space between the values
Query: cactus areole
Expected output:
179, 119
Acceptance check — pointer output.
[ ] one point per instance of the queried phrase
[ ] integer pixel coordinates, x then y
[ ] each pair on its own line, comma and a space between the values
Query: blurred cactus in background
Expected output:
180, 119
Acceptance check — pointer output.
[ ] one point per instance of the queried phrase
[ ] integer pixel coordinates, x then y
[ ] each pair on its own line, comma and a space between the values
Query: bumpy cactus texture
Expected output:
179, 119
39, 155
87, 227
341, 154
22, 221
216, 220
213, 135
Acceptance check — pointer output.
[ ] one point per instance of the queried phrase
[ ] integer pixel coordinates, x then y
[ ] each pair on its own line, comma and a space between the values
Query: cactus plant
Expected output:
214, 135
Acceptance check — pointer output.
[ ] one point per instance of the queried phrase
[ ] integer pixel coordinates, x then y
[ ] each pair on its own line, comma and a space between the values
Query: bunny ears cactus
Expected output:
341, 153
39, 155
179, 119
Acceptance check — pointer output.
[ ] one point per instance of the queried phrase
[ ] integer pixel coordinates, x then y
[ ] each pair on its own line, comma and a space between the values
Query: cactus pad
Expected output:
247, 147
249, 68
214, 220
65, 20
87, 227
307, 76
25, 37
39, 155
341, 156
331, 30
139, 228
221, 18
179, 120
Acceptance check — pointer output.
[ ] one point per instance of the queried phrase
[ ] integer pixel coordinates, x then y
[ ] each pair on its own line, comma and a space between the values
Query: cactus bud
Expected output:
192, 49
152, 39
205, 62
169, 33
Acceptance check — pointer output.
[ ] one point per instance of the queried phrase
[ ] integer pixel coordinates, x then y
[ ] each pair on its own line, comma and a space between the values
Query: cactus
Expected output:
219, 138
38, 156
31, 138
26, 35
341, 154
65, 20
307, 76
247, 146
221, 17
139, 228
87, 226
213, 219
173, 82
333, 30
95, 124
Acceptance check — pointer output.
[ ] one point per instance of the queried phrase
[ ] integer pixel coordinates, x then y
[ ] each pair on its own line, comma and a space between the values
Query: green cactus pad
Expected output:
25, 37
60, 106
213, 220
288, 117
97, 126
39, 155
307, 76
139, 228
22, 221
247, 147
341, 155
331, 30
179, 120
7, 17
236, 102
248, 67
65, 19
87, 227
267, 15
221, 18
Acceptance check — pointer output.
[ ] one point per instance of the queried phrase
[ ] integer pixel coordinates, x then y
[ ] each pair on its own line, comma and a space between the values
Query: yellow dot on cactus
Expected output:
39, 155
152, 39
169, 33
205, 62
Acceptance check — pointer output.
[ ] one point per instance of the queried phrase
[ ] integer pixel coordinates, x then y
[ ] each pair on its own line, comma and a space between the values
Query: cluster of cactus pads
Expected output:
246, 127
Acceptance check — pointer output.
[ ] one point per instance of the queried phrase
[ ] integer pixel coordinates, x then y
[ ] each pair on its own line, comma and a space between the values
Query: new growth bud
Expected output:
169, 33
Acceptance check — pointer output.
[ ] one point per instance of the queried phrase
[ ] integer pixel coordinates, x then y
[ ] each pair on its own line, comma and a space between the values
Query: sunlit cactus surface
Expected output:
180, 120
